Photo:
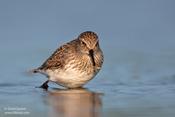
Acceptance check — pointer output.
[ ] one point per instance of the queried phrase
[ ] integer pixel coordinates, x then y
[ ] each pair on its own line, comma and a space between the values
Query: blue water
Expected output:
138, 75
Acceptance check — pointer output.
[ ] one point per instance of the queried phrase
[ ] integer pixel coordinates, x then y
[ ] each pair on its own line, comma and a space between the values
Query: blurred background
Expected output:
137, 38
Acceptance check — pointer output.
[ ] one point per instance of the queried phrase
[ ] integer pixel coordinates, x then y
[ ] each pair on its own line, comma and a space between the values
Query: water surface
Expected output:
138, 75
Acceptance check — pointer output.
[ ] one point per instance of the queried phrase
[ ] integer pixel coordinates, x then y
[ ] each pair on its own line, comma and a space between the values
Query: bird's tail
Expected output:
31, 72
38, 70
34, 70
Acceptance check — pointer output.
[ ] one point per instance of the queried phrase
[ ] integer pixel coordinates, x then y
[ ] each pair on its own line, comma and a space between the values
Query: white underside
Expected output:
70, 78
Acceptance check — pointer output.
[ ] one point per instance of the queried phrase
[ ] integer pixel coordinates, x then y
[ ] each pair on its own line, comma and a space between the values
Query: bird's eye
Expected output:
83, 43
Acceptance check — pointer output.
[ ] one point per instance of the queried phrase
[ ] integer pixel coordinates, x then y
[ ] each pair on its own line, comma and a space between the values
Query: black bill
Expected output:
91, 53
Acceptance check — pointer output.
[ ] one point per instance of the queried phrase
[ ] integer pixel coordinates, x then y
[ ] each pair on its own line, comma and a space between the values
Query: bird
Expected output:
74, 63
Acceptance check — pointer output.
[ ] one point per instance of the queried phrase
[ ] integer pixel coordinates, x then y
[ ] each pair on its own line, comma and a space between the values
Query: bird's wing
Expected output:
57, 59
54, 61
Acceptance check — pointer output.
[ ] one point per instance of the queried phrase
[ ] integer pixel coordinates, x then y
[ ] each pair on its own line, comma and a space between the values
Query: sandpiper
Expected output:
75, 63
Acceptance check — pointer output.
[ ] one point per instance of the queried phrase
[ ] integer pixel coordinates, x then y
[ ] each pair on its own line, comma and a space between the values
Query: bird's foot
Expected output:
44, 85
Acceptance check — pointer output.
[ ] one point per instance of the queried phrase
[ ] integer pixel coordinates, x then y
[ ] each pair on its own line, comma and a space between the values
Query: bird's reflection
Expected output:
74, 103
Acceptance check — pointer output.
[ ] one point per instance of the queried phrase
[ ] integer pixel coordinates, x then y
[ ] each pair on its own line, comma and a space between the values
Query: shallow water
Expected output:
138, 75
138, 88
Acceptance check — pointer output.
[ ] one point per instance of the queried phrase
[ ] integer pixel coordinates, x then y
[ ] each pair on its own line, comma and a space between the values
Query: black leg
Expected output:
44, 85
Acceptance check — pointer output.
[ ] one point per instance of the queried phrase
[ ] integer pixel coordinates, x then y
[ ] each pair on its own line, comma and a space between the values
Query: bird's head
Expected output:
88, 42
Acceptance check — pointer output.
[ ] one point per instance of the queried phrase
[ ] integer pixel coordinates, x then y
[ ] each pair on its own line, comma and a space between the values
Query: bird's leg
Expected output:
44, 85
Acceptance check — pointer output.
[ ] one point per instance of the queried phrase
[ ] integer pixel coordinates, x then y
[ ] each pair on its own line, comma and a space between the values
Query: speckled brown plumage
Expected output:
58, 59
74, 63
